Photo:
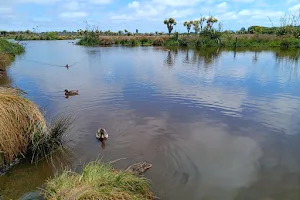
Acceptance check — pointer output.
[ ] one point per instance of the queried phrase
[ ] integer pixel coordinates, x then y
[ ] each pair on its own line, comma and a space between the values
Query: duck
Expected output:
101, 134
71, 92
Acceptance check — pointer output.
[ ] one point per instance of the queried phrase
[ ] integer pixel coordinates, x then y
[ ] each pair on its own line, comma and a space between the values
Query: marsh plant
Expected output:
98, 181
23, 129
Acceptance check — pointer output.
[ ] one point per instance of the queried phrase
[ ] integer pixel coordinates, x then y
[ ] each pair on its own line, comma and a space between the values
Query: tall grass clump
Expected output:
19, 120
23, 129
41, 145
98, 181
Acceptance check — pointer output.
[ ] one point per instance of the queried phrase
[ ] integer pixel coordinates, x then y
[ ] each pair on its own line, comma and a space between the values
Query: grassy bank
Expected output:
7, 52
23, 129
98, 181
46, 36
214, 39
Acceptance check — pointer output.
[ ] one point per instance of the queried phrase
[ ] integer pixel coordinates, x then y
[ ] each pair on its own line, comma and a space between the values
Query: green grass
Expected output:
7, 52
10, 47
97, 181
45, 36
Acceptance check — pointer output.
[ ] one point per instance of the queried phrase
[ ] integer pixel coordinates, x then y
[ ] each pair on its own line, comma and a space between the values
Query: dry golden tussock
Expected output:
20, 120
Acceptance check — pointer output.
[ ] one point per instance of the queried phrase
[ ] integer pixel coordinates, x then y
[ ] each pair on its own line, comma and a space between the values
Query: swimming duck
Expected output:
101, 134
71, 92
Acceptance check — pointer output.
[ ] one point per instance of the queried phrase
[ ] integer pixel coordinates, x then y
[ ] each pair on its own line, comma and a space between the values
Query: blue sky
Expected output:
144, 15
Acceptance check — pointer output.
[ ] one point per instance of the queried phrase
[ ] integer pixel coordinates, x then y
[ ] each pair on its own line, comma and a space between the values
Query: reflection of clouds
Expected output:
214, 97
196, 160
182, 82
192, 159
226, 162
281, 113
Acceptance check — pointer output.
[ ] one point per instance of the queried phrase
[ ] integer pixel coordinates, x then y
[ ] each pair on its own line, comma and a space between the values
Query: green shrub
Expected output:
133, 42
10, 48
285, 43
205, 42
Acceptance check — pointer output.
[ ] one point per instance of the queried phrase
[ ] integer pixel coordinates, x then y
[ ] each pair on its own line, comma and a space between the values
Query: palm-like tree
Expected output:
188, 25
170, 24
201, 22
196, 26
210, 22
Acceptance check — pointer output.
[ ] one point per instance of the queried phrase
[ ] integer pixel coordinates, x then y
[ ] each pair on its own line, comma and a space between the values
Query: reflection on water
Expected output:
215, 124
27, 177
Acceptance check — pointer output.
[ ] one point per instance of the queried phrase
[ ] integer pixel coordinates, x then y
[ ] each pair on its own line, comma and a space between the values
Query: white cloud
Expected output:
243, 1
227, 16
291, 1
73, 5
5, 10
35, 1
100, 1
181, 13
134, 4
221, 8
73, 14
222, 5
176, 2
153, 10
295, 8
260, 13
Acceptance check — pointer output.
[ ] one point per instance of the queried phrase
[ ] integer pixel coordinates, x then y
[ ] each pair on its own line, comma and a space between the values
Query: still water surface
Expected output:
215, 124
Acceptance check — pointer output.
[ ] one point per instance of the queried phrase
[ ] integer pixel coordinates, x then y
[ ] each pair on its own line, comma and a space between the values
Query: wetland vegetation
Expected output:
98, 181
24, 132
205, 35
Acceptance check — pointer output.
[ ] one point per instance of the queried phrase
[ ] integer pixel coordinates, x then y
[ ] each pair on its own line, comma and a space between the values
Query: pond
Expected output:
216, 124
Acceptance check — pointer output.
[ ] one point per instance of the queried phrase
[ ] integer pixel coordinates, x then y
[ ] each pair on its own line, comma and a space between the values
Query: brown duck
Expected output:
71, 92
